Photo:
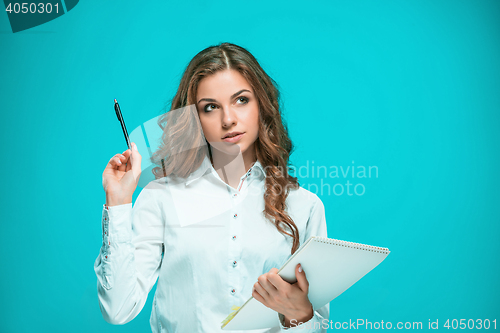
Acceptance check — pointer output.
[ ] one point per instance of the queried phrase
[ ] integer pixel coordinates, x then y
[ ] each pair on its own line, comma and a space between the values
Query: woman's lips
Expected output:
234, 138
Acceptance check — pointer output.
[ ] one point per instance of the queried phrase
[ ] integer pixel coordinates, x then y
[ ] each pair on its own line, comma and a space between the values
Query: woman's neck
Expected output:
231, 167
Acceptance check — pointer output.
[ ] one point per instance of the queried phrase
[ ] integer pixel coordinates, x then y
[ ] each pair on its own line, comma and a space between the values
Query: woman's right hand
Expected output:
120, 177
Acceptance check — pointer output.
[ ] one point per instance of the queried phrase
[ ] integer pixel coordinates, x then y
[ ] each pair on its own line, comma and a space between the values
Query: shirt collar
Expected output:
206, 166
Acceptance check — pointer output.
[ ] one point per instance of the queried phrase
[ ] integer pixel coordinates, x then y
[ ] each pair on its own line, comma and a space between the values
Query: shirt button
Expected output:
235, 215
233, 291
234, 237
235, 263
235, 195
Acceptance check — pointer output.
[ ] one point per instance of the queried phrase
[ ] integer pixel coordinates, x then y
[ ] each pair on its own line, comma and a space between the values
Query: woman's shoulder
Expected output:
164, 182
163, 187
155, 188
303, 197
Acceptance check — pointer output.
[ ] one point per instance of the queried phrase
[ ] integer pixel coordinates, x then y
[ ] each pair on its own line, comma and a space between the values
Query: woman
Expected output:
223, 214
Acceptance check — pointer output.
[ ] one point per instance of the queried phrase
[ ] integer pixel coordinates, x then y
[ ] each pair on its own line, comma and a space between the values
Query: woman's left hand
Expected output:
288, 299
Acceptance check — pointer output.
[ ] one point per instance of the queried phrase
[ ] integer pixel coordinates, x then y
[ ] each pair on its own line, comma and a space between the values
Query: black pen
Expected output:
120, 118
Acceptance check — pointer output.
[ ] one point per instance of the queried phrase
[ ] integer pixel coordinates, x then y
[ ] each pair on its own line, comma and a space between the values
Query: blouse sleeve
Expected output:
130, 257
319, 323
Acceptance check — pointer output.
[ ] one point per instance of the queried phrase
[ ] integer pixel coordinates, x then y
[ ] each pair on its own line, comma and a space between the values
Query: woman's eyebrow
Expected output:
232, 96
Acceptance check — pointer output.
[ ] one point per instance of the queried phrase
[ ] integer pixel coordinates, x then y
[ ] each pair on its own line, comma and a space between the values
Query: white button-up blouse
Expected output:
205, 242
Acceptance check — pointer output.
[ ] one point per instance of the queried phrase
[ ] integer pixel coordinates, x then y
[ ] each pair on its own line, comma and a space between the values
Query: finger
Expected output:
111, 163
129, 166
302, 282
136, 162
123, 161
125, 158
262, 292
126, 153
277, 281
272, 276
258, 297
114, 162
268, 286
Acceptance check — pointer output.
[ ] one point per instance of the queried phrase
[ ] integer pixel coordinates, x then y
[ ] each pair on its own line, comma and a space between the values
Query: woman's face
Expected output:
227, 106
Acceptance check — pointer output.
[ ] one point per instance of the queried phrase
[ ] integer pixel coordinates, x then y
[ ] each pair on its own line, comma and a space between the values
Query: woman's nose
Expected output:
228, 117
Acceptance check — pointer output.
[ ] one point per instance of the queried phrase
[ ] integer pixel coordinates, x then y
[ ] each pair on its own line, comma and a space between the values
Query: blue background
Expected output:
411, 87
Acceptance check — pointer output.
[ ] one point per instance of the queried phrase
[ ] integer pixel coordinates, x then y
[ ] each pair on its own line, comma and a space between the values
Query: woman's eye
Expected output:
206, 107
211, 107
245, 100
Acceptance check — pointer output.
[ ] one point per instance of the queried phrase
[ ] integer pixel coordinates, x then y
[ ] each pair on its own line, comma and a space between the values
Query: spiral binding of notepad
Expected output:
352, 245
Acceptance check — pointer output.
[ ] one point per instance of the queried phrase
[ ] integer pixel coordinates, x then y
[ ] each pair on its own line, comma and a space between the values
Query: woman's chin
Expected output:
226, 147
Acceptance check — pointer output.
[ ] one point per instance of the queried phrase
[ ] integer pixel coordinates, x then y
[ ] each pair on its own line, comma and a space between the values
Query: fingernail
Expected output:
134, 146
300, 269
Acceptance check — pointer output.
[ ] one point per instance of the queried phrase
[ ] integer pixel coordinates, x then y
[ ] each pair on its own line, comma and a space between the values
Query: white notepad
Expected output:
331, 267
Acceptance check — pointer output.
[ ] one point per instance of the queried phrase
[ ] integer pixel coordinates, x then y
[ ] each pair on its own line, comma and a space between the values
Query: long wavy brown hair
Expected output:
176, 156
